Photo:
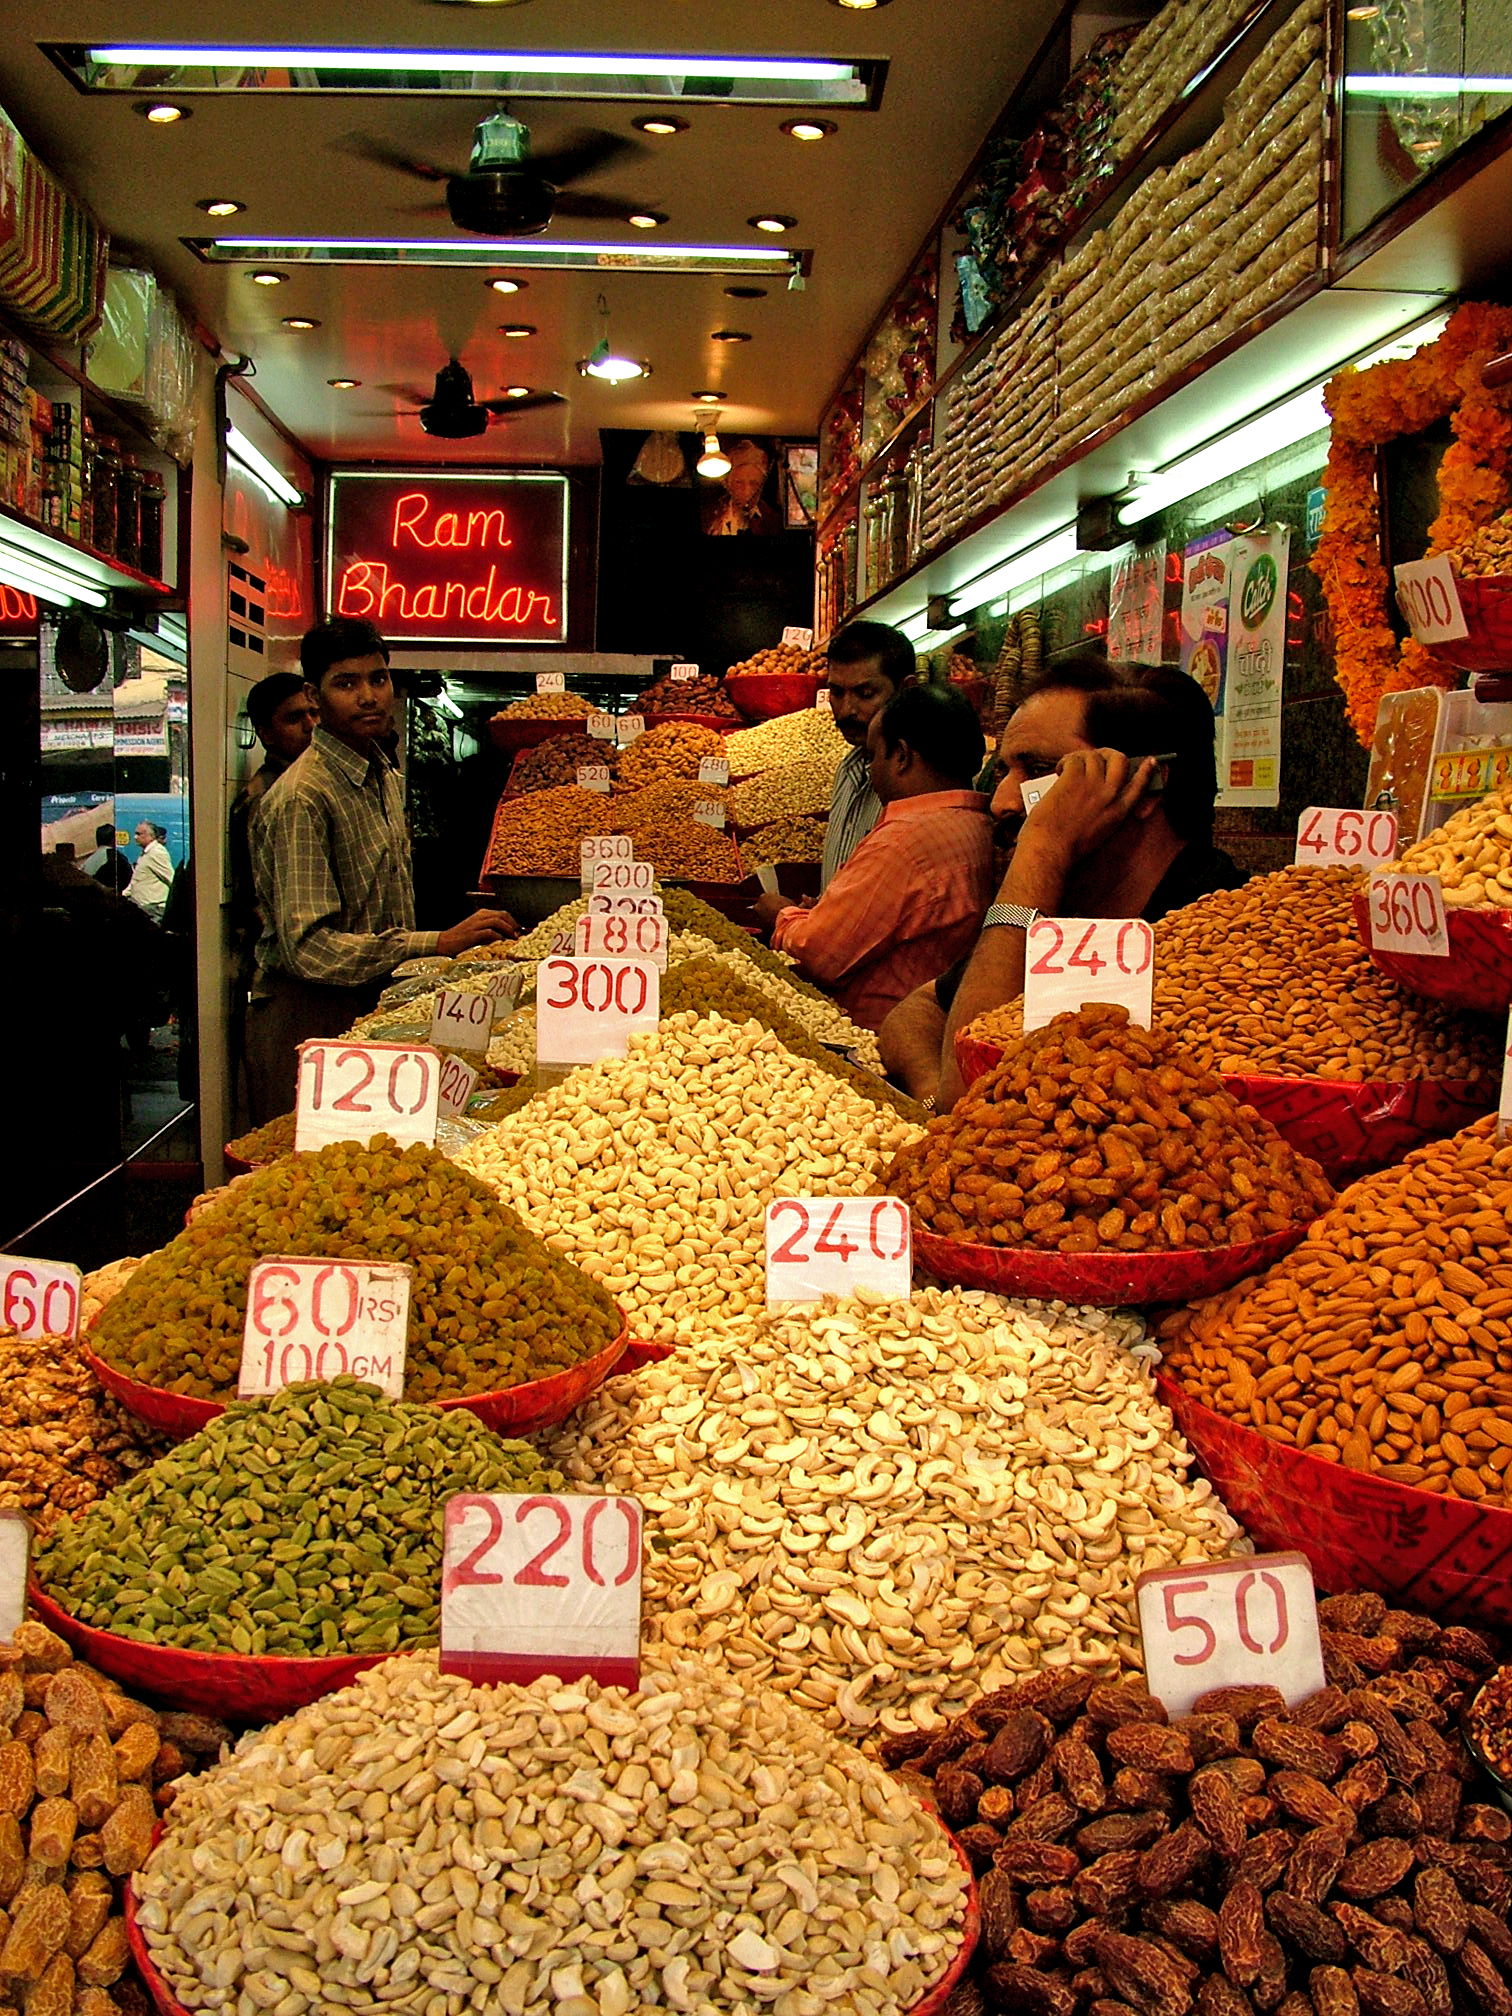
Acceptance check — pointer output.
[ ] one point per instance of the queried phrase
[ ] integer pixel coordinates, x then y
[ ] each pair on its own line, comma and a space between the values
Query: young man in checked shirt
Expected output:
331, 863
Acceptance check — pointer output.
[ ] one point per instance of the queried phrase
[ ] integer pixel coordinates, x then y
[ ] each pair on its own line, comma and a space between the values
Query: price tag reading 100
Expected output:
1070, 961
818, 1246
590, 1008
321, 1319
352, 1091
40, 1298
1248, 1622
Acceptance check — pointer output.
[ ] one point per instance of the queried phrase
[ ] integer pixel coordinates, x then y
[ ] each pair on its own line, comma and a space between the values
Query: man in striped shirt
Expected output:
868, 663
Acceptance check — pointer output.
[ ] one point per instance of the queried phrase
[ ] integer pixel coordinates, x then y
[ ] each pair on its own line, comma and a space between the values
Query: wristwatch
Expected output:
1019, 915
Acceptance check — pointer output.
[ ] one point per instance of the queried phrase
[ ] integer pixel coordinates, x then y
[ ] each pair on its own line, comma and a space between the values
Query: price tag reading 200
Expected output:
623, 878
1070, 961
352, 1091
539, 1584
590, 1008
323, 1319
1252, 1621
818, 1246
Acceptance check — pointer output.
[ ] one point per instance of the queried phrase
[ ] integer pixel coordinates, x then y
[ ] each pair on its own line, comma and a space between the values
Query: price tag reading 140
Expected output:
321, 1319
1070, 961
818, 1246
352, 1091
462, 1021
1250, 1622
1327, 834
1407, 915
40, 1298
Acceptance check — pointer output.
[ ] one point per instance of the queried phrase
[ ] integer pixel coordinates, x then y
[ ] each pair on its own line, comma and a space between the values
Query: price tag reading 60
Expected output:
1407, 915
1248, 1622
352, 1091
818, 1246
540, 1584
322, 1319
1070, 961
40, 1298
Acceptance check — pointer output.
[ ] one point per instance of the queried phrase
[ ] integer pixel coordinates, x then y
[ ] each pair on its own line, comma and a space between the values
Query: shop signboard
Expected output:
1233, 643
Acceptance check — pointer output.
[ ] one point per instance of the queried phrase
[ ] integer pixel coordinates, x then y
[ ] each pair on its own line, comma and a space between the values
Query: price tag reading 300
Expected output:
539, 1584
818, 1246
1407, 915
40, 1298
1328, 834
1070, 961
590, 1008
1250, 1622
352, 1091
321, 1319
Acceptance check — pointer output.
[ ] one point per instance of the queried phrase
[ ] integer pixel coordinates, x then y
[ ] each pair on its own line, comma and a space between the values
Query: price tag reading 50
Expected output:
590, 1008
320, 1319
1326, 834
40, 1298
1250, 1622
818, 1246
1070, 961
539, 1584
1407, 915
352, 1091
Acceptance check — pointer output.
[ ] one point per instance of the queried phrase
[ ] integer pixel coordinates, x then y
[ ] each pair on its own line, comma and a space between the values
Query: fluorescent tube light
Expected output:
528, 63
560, 255
1410, 86
32, 577
1012, 573
252, 459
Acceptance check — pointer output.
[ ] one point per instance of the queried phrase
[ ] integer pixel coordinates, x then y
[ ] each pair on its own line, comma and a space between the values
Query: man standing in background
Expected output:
868, 664
152, 878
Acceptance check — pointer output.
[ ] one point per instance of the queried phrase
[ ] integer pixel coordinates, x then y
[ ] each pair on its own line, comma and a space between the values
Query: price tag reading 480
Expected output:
321, 1319
1327, 834
818, 1246
1070, 961
590, 1008
352, 1091
539, 1584
1248, 1622
1407, 915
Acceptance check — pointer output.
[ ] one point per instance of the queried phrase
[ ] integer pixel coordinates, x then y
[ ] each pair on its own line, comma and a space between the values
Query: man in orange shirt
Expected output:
910, 900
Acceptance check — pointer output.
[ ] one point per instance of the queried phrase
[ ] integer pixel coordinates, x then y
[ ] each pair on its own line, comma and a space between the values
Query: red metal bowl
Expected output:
1100, 1280
510, 737
762, 696
1477, 974
1448, 1556
1487, 603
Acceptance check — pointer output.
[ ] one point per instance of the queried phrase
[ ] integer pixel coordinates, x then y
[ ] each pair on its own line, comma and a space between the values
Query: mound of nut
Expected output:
1384, 1342
674, 750
792, 840
542, 832
703, 695
64, 1441
296, 1527
654, 1171
787, 791
1486, 552
490, 1307
1338, 1858
782, 661
1471, 854
1094, 1135
545, 707
808, 736
880, 1510
692, 1845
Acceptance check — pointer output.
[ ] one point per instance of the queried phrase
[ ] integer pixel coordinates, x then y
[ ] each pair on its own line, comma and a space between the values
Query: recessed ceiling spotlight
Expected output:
774, 223
646, 220
220, 206
708, 398
516, 391
300, 322
1363, 13
508, 286
344, 384
731, 336
268, 278
613, 369
809, 129
660, 125
746, 293
517, 328
162, 115
858, 6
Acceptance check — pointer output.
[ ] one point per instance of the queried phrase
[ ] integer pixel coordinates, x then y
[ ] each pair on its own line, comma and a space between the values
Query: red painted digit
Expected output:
1144, 938
625, 976
421, 1061
598, 1007
16, 1301
1095, 962
876, 1217
567, 976
322, 1281
1048, 928
467, 1574
1308, 837
1247, 1637
267, 1296
533, 1575
1176, 1622
347, 1102
842, 1246
788, 1252
64, 1328
632, 1539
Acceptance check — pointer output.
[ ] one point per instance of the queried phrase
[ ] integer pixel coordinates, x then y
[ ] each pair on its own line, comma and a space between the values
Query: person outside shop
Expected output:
868, 664
108, 865
331, 870
152, 877
911, 897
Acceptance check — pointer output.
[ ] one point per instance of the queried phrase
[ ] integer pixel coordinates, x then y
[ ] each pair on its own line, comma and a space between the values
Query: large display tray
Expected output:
1477, 975
1100, 1280
510, 737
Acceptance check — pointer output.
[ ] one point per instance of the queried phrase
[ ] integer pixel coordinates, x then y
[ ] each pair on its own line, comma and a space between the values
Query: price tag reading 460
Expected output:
1326, 834
321, 1319
533, 1585
1250, 1622
1070, 961
818, 1246
590, 1008
1407, 915
352, 1091
40, 1298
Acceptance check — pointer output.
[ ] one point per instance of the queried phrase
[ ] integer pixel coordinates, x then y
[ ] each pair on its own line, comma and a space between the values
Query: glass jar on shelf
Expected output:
150, 524
129, 513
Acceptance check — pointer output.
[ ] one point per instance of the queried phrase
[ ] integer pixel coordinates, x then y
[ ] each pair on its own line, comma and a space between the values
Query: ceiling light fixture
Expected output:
248, 456
660, 125
859, 6
731, 336
343, 384
1410, 85
809, 129
163, 115
647, 220
774, 223
220, 206
300, 322
516, 391
558, 255
713, 462
268, 278
516, 329
607, 365
64, 573
746, 293
1026, 565
502, 286
708, 398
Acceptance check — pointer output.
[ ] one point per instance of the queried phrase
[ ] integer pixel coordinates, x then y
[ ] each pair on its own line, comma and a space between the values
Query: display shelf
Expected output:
111, 575
62, 367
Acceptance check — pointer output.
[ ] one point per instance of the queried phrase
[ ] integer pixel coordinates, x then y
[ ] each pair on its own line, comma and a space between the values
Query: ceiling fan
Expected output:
506, 191
453, 413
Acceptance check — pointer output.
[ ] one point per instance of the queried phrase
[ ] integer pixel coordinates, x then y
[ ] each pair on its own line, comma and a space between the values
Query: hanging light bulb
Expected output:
713, 461
602, 362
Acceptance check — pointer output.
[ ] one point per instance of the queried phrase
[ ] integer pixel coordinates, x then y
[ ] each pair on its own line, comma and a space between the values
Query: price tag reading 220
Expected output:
352, 1091
540, 1584
818, 1246
321, 1319
1070, 961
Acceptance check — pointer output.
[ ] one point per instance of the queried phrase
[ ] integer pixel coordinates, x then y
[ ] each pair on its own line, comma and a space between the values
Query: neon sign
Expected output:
18, 611
450, 559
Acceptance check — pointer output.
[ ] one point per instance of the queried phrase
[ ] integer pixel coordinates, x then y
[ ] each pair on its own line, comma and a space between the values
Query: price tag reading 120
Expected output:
1070, 961
590, 1008
818, 1246
1407, 915
1250, 1622
40, 1298
539, 1584
352, 1091
320, 1319
1327, 834
458, 1082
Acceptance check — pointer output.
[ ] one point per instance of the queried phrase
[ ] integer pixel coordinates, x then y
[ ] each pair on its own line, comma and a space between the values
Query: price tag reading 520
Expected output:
352, 1091
1249, 1622
321, 1319
1407, 915
818, 1246
1070, 961
539, 1584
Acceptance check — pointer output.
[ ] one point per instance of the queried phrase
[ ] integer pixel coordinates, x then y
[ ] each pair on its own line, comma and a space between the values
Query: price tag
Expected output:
458, 1082
604, 847
818, 1246
766, 875
629, 728
1034, 788
801, 640
623, 878
15, 1545
1407, 915
539, 1584
1428, 596
824, 701
40, 1298
1504, 1104
602, 727
620, 937
684, 675
503, 988
352, 1091
590, 1008
1326, 834
318, 1319
714, 770
461, 1021
593, 777
602, 904
562, 941
1069, 961
551, 682
709, 812
1250, 1622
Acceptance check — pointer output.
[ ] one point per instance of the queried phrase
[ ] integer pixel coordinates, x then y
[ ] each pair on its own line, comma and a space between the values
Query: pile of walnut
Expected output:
84, 1770
1333, 1859
63, 1440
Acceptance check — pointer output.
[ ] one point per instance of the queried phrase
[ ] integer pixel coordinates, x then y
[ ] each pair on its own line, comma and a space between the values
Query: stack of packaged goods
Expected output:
1172, 48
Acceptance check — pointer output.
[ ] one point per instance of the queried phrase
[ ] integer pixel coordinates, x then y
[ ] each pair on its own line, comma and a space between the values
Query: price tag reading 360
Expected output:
603, 847
1407, 915
1328, 834
540, 1584
323, 1319
352, 1091
40, 1298
818, 1246
1070, 961
1249, 1622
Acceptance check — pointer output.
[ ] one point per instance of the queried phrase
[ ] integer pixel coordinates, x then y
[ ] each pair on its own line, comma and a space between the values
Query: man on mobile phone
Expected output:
1119, 762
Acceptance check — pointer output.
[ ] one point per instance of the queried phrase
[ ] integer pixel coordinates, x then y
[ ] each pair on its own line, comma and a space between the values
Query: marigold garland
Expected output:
1370, 408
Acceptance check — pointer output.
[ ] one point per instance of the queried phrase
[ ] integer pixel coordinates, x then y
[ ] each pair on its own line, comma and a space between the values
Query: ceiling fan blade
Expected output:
574, 203
366, 148
502, 408
412, 394
581, 153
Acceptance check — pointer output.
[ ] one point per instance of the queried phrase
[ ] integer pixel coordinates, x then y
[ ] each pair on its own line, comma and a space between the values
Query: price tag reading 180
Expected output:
15, 1544
462, 1021
818, 1246
1328, 834
623, 878
352, 1091
40, 1298
1070, 961
590, 1008
1250, 1622
620, 937
1407, 915
539, 1584
321, 1319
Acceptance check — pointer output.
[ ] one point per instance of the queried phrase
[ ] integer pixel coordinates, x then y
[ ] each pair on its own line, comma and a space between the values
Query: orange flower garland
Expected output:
1370, 408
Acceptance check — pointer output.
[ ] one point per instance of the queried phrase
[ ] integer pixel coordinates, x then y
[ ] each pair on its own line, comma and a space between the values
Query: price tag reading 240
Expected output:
1327, 834
818, 1246
1250, 1622
1407, 915
352, 1091
590, 1008
1070, 961
540, 1584
321, 1319
40, 1298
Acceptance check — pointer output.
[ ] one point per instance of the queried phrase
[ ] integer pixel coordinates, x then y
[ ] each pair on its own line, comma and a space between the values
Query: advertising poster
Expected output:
1233, 643
1136, 605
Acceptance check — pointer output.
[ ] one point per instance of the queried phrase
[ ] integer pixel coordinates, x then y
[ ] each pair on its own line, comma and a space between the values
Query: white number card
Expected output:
1327, 834
551, 682
40, 1298
1407, 915
461, 1020
1250, 1622
321, 1319
799, 638
684, 675
710, 812
1070, 961
602, 727
1428, 596
352, 1091
818, 1246
600, 847
623, 878
15, 1547
617, 936
593, 777
629, 728
714, 770
590, 1008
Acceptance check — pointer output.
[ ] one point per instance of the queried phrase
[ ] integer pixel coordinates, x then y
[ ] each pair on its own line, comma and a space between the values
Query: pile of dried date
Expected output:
1334, 1859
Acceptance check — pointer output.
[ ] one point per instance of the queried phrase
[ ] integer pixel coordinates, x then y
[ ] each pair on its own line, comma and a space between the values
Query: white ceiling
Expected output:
864, 199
